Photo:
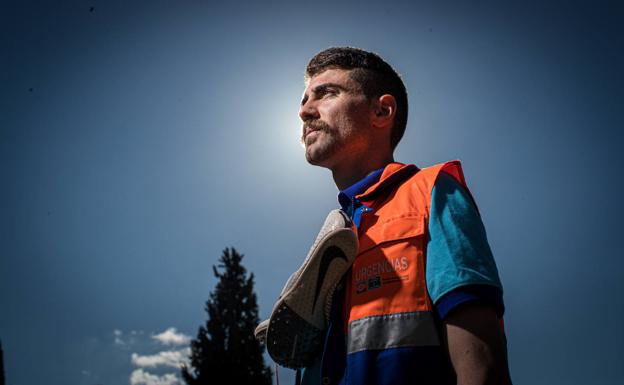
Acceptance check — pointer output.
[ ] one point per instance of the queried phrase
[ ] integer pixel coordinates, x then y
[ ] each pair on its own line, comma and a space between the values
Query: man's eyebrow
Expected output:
322, 88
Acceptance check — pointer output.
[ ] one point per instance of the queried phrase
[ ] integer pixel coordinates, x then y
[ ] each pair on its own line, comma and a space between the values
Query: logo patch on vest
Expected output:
374, 283
375, 275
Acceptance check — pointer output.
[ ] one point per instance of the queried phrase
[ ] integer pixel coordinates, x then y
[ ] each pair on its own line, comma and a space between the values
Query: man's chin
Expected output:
313, 161
317, 159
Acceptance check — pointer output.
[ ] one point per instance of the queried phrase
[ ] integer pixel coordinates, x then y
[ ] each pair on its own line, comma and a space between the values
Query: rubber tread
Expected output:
290, 340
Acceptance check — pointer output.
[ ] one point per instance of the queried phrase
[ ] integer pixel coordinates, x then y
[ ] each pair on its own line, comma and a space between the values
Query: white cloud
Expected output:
172, 337
139, 376
125, 339
118, 341
173, 358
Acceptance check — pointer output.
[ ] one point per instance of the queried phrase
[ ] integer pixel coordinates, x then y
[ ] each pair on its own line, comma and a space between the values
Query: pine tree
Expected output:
225, 350
1, 365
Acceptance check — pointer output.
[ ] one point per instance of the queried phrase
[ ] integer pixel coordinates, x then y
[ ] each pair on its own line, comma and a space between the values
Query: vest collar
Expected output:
392, 174
347, 196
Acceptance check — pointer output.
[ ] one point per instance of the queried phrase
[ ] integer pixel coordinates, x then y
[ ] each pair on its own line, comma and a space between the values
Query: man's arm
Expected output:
476, 345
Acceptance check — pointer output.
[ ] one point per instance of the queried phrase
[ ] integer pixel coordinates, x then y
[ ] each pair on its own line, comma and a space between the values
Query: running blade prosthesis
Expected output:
294, 333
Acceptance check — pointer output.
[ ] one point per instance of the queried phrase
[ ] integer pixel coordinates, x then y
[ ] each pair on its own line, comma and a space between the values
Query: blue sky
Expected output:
138, 140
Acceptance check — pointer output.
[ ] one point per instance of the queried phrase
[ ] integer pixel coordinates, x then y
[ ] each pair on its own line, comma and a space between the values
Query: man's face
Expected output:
336, 119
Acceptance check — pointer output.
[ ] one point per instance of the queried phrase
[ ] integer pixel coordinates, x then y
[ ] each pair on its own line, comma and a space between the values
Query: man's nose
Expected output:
308, 111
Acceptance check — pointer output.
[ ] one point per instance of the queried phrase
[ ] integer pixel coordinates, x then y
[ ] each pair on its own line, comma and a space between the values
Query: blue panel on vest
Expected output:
420, 365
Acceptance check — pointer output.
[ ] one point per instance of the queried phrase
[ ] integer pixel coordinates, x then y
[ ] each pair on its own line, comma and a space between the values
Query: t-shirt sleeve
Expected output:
460, 266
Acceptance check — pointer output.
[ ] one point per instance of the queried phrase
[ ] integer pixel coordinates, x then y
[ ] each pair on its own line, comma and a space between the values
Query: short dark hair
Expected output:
372, 73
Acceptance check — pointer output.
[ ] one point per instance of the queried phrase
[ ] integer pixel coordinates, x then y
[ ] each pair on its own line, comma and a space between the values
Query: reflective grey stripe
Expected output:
392, 331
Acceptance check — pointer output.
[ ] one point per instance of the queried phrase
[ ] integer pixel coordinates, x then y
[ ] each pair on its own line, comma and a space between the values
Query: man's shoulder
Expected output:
427, 177
451, 167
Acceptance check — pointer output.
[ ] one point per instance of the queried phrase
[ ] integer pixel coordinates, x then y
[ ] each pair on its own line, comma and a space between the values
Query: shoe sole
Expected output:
295, 330
260, 332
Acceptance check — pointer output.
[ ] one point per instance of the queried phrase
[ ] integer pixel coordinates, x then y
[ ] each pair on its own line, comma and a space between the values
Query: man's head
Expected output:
371, 73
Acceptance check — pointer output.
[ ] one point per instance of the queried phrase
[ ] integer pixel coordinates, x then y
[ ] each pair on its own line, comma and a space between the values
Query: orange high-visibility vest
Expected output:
392, 334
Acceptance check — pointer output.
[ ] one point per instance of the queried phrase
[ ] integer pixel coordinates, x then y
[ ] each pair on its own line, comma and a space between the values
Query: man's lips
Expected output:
309, 130
313, 126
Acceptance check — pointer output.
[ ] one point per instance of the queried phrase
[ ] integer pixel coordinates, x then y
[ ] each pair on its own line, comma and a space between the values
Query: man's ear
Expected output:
384, 111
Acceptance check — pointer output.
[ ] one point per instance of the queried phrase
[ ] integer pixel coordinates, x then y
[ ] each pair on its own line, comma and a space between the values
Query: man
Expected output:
422, 303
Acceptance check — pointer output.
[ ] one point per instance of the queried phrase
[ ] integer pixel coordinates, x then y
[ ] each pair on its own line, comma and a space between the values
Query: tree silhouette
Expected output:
225, 350
1, 364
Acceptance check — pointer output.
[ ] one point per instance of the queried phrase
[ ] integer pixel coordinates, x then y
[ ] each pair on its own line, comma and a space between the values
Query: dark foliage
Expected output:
1, 365
225, 350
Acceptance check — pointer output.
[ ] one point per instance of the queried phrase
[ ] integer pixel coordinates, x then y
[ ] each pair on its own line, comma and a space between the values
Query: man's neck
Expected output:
347, 175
